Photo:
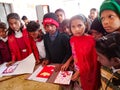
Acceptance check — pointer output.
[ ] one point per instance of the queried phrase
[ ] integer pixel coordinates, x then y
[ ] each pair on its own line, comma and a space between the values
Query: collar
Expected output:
4, 39
115, 70
18, 34
55, 34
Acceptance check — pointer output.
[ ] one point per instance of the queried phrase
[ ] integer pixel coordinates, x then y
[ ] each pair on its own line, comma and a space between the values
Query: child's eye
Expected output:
111, 16
102, 19
79, 25
72, 26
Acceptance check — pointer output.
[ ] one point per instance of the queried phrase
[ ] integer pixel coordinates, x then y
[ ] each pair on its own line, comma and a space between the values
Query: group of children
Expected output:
66, 41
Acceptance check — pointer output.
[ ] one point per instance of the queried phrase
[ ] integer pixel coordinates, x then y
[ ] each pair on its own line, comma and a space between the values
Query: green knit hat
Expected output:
110, 5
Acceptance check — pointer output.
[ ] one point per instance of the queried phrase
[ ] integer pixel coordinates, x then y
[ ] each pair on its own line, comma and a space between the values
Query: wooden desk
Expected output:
20, 83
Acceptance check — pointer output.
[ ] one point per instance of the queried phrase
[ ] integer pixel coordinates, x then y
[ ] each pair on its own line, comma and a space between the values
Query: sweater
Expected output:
59, 50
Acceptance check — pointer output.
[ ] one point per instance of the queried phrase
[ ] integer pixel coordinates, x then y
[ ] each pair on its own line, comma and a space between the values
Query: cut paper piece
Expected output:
42, 74
63, 77
10, 69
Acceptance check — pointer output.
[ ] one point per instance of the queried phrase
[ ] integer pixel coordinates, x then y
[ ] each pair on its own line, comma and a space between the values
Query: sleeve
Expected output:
12, 47
46, 49
67, 47
34, 49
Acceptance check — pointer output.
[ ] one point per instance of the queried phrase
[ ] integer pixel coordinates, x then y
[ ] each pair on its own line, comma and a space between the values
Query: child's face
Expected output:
113, 62
34, 35
93, 14
14, 24
103, 60
96, 34
2, 33
60, 16
50, 28
66, 30
110, 21
77, 27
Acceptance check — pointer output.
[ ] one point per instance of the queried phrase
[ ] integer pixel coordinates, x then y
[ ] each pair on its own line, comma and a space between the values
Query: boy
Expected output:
93, 14
108, 49
61, 16
57, 44
36, 33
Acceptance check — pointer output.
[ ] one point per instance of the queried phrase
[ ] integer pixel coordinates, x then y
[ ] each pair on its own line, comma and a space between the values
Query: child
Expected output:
97, 29
61, 16
93, 14
108, 49
57, 44
5, 55
84, 54
110, 18
25, 20
65, 27
110, 15
34, 31
21, 45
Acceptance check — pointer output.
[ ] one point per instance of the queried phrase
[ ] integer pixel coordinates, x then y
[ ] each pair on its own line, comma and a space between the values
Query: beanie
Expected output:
113, 5
50, 18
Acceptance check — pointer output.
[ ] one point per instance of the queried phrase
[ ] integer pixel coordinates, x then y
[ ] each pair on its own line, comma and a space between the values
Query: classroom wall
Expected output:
71, 7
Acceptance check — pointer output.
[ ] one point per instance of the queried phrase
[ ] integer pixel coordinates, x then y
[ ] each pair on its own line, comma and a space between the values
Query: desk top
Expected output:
20, 83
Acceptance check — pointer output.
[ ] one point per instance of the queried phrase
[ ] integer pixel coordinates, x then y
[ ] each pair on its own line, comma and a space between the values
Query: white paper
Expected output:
64, 77
2, 68
34, 75
24, 66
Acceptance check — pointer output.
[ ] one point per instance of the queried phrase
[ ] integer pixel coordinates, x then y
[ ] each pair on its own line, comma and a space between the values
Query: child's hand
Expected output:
58, 67
65, 66
75, 76
10, 63
45, 62
37, 62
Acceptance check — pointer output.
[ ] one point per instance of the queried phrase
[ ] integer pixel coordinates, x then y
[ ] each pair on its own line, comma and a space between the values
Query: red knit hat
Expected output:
50, 18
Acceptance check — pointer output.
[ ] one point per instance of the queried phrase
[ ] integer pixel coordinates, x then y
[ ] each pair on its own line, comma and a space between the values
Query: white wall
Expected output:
71, 7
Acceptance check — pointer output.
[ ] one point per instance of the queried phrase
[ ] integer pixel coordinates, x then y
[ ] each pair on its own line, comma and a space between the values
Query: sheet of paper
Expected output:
2, 68
10, 69
24, 66
64, 77
42, 73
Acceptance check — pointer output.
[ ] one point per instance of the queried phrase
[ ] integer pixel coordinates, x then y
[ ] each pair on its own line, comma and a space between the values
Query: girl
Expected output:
21, 45
65, 27
5, 55
84, 54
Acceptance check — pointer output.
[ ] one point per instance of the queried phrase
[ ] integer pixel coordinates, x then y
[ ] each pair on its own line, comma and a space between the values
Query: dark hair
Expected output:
60, 10
118, 1
65, 22
13, 16
24, 18
93, 9
109, 45
3, 25
33, 26
97, 25
83, 19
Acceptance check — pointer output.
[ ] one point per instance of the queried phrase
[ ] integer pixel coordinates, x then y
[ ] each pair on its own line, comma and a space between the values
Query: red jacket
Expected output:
85, 56
31, 46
